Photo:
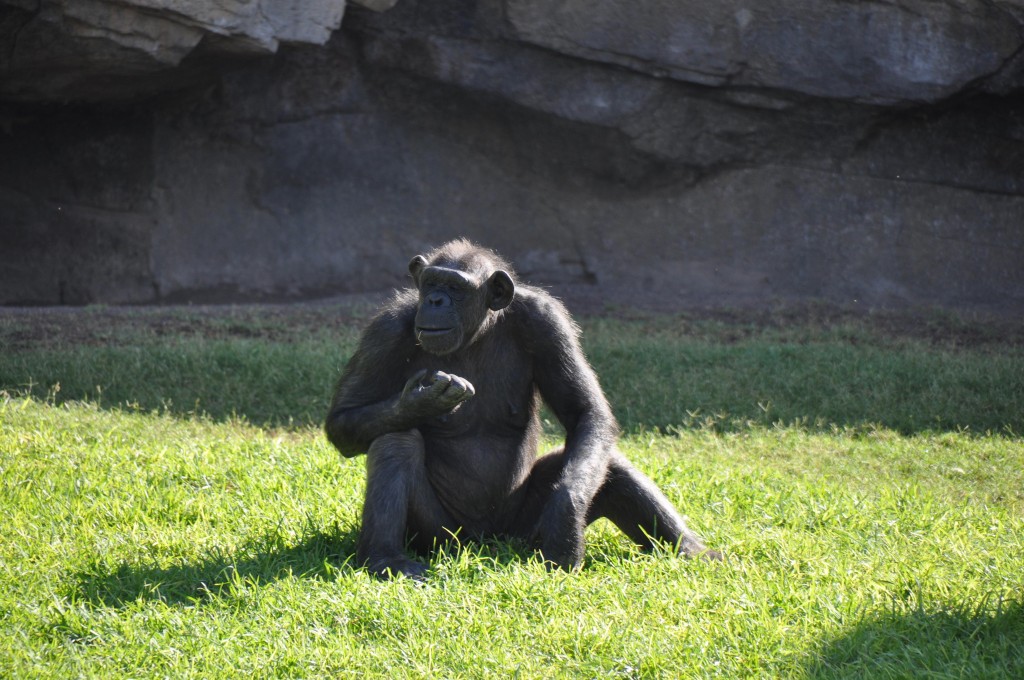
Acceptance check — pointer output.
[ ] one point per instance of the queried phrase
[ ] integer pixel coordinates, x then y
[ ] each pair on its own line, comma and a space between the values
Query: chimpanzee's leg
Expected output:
399, 502
544, 479
638, 507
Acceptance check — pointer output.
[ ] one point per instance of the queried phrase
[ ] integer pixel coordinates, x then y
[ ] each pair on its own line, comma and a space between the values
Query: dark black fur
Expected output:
443, 394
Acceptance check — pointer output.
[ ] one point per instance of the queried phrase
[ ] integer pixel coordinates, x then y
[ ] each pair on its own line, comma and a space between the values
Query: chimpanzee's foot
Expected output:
694, 549
391, 567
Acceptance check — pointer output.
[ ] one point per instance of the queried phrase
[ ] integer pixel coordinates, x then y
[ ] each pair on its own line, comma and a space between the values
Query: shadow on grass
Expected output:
322, 555
263, 383
919, 644
652, 382
319, 555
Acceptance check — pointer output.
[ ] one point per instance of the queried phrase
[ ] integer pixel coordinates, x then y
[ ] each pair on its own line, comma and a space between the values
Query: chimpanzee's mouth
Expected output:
432, 332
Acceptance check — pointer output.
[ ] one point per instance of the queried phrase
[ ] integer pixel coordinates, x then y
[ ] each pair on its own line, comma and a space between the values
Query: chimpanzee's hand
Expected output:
430, 396
559, 533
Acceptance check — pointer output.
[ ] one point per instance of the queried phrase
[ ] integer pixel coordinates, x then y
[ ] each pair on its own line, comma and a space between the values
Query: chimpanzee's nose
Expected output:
438, 299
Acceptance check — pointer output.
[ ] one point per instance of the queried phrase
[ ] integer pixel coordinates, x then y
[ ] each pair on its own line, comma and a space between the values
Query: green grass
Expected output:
173, 511
659, 372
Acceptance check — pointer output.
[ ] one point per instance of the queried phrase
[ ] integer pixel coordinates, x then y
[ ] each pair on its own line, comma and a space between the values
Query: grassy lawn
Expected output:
169, 508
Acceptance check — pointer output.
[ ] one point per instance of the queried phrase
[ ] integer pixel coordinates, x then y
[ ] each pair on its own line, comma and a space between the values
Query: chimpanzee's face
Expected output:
453, 304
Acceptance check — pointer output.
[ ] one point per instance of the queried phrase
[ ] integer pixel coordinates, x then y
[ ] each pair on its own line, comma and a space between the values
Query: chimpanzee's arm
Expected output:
366, 397
352, 428
374, 397
570, 387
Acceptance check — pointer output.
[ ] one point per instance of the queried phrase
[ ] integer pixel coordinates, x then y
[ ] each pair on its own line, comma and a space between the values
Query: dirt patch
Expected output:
23, 328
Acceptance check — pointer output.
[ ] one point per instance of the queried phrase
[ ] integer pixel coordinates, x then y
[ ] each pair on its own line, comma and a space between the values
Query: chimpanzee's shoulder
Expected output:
395, 318
401, 303
538, 311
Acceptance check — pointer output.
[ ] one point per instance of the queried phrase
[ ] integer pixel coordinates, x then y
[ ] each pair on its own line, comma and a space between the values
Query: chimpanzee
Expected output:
443, 395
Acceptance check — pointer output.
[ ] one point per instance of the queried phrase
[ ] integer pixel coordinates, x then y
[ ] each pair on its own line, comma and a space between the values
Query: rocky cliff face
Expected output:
89, 50
657, 153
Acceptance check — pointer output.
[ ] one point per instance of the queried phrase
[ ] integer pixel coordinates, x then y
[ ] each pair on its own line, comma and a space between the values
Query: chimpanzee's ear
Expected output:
416, 265
500, 290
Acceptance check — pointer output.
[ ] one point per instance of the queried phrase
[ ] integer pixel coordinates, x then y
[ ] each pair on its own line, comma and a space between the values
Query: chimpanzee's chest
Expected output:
502, 377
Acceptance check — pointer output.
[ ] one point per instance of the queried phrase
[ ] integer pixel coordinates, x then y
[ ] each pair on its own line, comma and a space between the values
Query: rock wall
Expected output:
662, 154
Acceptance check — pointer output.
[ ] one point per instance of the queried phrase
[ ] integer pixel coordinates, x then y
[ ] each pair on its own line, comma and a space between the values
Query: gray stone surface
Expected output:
101, 49
877, 52
665, 155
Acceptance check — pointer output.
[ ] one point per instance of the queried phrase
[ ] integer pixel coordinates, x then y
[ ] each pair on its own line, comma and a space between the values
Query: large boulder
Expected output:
102, 49
907, 51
